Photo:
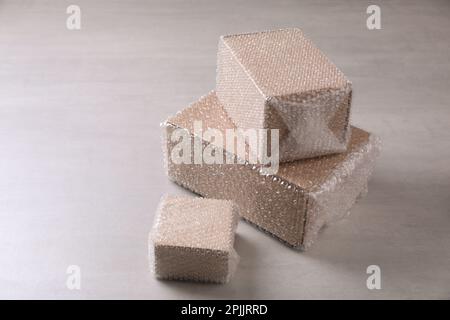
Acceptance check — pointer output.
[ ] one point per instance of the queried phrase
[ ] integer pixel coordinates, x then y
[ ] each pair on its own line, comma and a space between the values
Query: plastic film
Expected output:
193, 239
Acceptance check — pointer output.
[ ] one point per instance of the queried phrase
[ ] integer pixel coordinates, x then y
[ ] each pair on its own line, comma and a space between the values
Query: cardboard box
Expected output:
293, 204
193, 238
281, 80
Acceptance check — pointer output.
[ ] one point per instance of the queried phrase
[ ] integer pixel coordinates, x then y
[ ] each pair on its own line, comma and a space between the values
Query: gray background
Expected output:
81, 168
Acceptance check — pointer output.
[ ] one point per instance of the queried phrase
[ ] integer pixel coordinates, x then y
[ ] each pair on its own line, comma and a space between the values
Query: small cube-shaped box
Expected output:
281, 80
193, 239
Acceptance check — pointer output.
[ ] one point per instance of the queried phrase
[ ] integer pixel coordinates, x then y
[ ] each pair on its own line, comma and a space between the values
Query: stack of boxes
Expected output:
276, 81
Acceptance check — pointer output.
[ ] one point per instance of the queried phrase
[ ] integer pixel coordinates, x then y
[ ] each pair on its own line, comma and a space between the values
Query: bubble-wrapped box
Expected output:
193, 239
281, 80
292, 204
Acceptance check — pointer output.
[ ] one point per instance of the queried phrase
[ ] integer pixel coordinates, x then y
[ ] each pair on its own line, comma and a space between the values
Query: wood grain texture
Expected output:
81, 168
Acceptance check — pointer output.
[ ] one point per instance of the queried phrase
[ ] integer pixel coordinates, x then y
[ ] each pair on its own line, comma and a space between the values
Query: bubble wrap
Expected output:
193, 238
280, 80
292, 205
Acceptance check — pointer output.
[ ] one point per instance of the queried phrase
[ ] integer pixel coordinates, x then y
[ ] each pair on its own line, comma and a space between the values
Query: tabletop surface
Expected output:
81, 170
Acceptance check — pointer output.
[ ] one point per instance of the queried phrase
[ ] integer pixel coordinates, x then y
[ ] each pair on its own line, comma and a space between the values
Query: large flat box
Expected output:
193, 239
281, 80
293, 204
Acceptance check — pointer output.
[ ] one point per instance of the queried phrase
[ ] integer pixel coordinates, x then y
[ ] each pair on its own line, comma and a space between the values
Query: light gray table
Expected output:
81, 168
